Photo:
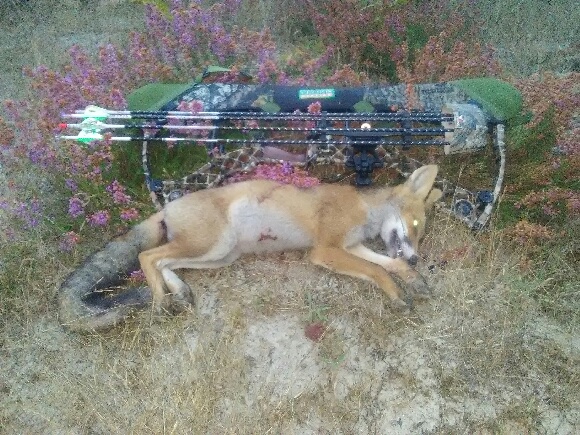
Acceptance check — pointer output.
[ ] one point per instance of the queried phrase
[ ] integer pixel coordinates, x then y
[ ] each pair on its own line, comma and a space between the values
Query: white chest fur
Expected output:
259, 228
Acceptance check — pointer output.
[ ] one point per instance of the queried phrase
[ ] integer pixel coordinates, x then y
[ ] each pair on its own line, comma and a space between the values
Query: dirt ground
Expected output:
480, 357
477, 358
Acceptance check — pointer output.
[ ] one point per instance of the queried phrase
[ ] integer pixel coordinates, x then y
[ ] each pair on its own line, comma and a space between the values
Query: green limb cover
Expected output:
209, 70
155, 95
363, 107
500, 99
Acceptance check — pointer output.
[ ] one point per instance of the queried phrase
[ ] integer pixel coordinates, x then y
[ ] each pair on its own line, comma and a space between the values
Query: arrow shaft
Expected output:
272, 142
379, 116
417, 131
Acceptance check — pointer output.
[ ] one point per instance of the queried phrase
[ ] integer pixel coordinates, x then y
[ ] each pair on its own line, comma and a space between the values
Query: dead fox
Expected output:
212, 228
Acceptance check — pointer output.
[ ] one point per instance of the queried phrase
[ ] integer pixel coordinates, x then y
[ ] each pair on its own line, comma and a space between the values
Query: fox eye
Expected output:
415, 222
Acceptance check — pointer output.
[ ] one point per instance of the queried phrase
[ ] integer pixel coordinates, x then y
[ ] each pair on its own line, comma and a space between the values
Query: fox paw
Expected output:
174, 303
419, 288
401, 307
182, 300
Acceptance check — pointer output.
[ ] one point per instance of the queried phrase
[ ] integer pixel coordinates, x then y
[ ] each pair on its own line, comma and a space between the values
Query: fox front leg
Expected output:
418, 287
412, 279
347, 263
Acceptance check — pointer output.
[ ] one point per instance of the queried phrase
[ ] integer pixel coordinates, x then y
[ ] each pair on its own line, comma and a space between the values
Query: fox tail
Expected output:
83, 303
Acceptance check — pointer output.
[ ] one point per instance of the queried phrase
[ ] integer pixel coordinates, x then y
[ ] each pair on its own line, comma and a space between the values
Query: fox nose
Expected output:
413, 260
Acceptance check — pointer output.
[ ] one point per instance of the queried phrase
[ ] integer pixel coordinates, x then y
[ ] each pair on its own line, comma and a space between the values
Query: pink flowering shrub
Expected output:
137, 277
549, 91
283, 173
28, 214
405, 41
68, 241
436, 63
76, 207
174, 46
545, 184
129, 214
528, 234
117, 192
553, 202
99, 219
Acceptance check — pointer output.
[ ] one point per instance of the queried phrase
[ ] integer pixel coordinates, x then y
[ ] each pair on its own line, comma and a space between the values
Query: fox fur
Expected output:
212, 228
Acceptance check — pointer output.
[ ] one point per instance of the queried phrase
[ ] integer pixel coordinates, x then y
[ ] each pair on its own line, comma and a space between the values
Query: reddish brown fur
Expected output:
325, 215
211, 228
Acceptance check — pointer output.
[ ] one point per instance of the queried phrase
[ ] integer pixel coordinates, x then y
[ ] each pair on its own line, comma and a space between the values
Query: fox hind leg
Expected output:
158, 265
161, 278
181, 294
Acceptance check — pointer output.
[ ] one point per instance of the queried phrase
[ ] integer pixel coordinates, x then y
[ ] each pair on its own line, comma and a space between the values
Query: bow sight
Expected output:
362, 128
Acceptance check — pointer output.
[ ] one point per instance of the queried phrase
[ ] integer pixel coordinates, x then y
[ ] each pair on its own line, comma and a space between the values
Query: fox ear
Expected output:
434, 196
421, 181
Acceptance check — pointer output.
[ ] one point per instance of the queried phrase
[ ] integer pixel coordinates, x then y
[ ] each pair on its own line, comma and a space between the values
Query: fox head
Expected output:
404, 227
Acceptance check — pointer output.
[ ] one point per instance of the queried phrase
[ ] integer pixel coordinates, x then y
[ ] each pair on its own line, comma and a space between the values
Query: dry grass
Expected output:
39, 32
481, 357
534, 36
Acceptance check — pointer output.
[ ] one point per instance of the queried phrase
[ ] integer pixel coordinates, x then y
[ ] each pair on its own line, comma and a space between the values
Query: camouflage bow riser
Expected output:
362, 128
